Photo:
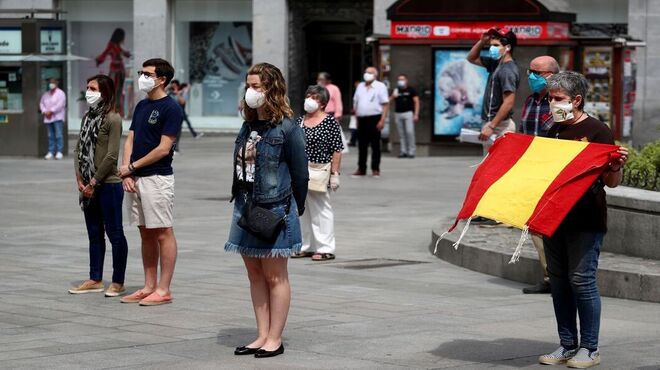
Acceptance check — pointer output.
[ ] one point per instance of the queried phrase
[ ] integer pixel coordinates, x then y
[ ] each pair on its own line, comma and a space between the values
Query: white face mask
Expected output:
254, 99
146, 84
51, 86
401, 83
311, 105
561, 111
368, 77
93, 97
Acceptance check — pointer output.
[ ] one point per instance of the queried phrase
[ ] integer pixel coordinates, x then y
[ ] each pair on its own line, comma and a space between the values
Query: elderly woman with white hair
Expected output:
324, 146
572, 252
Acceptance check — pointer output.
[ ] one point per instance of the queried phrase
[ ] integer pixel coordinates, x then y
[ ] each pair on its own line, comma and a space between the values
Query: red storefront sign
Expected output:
474, 30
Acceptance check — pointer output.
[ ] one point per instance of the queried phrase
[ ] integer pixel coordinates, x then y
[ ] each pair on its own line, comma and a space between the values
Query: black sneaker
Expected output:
540, 288
491, 224
402, 155
478, 220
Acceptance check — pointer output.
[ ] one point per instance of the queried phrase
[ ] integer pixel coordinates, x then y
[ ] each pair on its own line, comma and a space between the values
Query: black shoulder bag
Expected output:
258, 221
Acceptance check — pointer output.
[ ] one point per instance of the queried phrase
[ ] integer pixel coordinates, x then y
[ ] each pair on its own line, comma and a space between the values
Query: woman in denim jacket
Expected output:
270, 169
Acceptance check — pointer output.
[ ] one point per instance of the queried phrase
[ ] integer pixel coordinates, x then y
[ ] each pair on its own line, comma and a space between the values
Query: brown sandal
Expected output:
323, 257
302, 255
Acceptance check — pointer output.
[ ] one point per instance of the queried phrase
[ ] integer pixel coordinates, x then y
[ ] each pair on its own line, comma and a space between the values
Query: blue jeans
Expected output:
103, 215
55, 137
572, 264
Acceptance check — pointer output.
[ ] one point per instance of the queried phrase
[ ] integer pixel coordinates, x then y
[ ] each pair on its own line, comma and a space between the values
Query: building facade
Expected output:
211, 43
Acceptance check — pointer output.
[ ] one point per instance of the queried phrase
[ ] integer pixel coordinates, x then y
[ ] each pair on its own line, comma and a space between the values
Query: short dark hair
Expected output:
402, 75
175, 82
107, 90
320, 92
510, 39
163, 68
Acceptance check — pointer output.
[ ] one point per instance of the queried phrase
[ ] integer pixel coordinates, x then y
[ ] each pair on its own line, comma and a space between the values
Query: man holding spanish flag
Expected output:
572, 251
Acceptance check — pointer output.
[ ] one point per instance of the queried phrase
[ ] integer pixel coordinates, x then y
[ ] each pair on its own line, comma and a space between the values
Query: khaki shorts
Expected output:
505, 126
152, 204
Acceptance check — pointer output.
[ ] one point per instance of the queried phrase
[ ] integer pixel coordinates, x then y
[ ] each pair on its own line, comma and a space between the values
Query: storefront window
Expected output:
213, 52
11, 89
103, 32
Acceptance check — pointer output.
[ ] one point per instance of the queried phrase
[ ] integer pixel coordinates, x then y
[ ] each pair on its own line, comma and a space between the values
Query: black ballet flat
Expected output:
262, 353
241, 351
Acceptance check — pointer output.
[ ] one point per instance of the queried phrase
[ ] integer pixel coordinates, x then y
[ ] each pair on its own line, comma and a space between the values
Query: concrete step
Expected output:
488, 250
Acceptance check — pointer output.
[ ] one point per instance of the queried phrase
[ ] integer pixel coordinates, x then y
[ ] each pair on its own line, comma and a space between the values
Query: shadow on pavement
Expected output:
236, 337
505, 351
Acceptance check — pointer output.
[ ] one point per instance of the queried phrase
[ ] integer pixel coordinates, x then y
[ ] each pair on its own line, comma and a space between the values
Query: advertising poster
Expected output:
108, 45
459, 90
220, 55
596, 65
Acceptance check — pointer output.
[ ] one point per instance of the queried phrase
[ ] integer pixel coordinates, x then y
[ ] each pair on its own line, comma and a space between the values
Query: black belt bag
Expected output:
262, 222
259, 221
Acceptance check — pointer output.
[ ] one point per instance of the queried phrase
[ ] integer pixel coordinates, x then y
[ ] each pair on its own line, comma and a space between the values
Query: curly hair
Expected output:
277, 105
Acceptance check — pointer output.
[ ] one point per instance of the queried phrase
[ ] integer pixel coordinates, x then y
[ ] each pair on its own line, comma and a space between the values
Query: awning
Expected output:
43, 58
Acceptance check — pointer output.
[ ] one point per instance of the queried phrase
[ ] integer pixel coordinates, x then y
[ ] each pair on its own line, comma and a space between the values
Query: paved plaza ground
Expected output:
384, 303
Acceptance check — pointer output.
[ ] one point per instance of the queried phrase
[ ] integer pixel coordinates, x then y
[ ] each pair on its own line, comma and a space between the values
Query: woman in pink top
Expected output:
334, 107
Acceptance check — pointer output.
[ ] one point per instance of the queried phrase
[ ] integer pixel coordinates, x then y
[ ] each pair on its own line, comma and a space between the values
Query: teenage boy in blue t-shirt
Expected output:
148, 179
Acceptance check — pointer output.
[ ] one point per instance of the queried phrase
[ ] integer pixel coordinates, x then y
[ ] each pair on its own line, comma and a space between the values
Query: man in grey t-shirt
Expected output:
503, 81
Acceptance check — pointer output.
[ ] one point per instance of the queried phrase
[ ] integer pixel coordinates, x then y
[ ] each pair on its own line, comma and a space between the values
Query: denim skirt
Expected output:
289, 241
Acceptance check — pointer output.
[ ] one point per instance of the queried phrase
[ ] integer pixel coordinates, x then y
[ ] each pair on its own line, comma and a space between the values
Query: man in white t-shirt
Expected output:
370, 104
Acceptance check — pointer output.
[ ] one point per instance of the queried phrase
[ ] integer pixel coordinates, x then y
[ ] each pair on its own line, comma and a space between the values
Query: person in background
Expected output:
335, 107
148, 177
270, 171
574, 248
53, 108
406, 108
371, 104
98, 180
179, 93
500, 92
324, 145
503, 81
536, 120
117, 70
352, 123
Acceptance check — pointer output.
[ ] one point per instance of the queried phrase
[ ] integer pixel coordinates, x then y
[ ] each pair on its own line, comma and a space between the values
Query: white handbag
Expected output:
319, 177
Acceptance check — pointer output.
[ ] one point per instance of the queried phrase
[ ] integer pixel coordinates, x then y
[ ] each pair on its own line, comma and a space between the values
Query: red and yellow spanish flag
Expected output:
532, 182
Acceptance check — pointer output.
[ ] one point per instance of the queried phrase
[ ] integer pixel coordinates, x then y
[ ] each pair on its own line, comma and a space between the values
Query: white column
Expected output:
381, 24
270, 33
151, 31
644, 24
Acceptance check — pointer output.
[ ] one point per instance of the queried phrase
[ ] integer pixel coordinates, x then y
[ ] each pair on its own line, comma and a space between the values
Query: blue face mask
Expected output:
494, 52
536, 83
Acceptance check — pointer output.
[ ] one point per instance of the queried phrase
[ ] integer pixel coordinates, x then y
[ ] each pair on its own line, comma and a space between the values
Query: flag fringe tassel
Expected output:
519, 247
465, 229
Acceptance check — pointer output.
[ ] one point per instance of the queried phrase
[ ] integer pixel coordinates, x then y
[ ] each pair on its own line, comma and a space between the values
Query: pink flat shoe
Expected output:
155, 299
136, 297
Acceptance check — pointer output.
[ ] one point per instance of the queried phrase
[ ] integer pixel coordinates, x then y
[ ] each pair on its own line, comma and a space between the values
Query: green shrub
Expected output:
643, 167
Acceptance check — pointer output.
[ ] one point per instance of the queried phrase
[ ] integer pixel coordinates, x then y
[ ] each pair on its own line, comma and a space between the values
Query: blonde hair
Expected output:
277, 105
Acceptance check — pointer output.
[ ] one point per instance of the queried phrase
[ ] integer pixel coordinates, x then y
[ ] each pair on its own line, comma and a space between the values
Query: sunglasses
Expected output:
530, 71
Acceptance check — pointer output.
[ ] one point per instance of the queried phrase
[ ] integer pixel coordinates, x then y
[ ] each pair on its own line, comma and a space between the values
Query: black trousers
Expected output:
368, 135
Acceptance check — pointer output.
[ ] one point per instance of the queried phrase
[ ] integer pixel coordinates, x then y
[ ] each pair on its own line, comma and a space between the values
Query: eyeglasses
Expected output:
147, 74
530, 71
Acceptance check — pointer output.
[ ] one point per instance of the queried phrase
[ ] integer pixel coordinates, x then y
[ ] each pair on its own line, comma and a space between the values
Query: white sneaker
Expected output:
584, 359
59, 155
48, 156
199, 135
559, 356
